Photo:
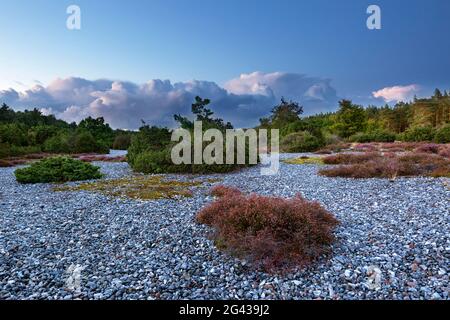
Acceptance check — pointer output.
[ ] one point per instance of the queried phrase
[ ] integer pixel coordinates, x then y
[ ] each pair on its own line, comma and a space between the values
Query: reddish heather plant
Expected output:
445, 151
102, 158
391, 166
350, 158
5, 164
399, 146
332, 148
428, 148
275, 234
221, 191
366, 147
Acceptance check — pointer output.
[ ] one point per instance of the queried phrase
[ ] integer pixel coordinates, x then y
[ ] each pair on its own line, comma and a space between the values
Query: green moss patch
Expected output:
305, 160
139, 187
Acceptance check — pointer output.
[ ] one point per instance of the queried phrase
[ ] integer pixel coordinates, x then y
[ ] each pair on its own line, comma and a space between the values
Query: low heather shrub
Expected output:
390, 166
350, 158
273, 233
332, 148
5, 163
57, 169
445, 151
428, 148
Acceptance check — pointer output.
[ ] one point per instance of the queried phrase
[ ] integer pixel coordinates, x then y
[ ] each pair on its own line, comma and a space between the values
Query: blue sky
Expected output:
218, 40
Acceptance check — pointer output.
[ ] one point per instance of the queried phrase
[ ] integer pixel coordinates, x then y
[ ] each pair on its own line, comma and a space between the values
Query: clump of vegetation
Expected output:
351, 158
138, 187
102, 158
418, 133
374, 136
333, 148
305, 160
122, 141
57, 169
428, 148
389, 165
443, 134
275, 234
419, 120
5, 164
150, 149
31, 132
302, 141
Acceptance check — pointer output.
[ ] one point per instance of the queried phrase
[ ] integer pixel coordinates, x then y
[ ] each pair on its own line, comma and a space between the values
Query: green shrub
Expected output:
39, 134
58, 144
147, 139
443, 134
152, 162
84, 142
374, 136
417, 134
302, 141
57, 169
14, 134
7, 150
122, 142
159, 161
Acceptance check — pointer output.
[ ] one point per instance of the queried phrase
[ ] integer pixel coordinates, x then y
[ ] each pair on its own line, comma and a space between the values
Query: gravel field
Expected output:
393, 242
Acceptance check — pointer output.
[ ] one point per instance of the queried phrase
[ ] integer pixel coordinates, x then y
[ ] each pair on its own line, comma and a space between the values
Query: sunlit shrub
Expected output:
273, 233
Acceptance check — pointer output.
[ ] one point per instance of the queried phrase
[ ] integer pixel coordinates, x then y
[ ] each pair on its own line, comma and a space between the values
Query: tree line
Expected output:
30, 131
426, 119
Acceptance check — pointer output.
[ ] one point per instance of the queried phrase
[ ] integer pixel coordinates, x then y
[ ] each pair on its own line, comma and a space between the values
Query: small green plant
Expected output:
57, 169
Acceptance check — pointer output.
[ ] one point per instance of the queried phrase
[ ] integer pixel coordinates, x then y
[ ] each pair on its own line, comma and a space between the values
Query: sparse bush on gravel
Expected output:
57, 169
275, 234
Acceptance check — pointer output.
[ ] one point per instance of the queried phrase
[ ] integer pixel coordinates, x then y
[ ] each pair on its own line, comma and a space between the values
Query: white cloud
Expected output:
397, 93
123, 104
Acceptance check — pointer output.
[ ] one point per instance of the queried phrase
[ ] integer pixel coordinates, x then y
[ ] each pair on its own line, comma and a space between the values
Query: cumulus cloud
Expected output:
315, 94
123, 104
397, 93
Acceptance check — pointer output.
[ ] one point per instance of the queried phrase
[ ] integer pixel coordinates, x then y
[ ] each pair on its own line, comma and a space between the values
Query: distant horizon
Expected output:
187, 112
